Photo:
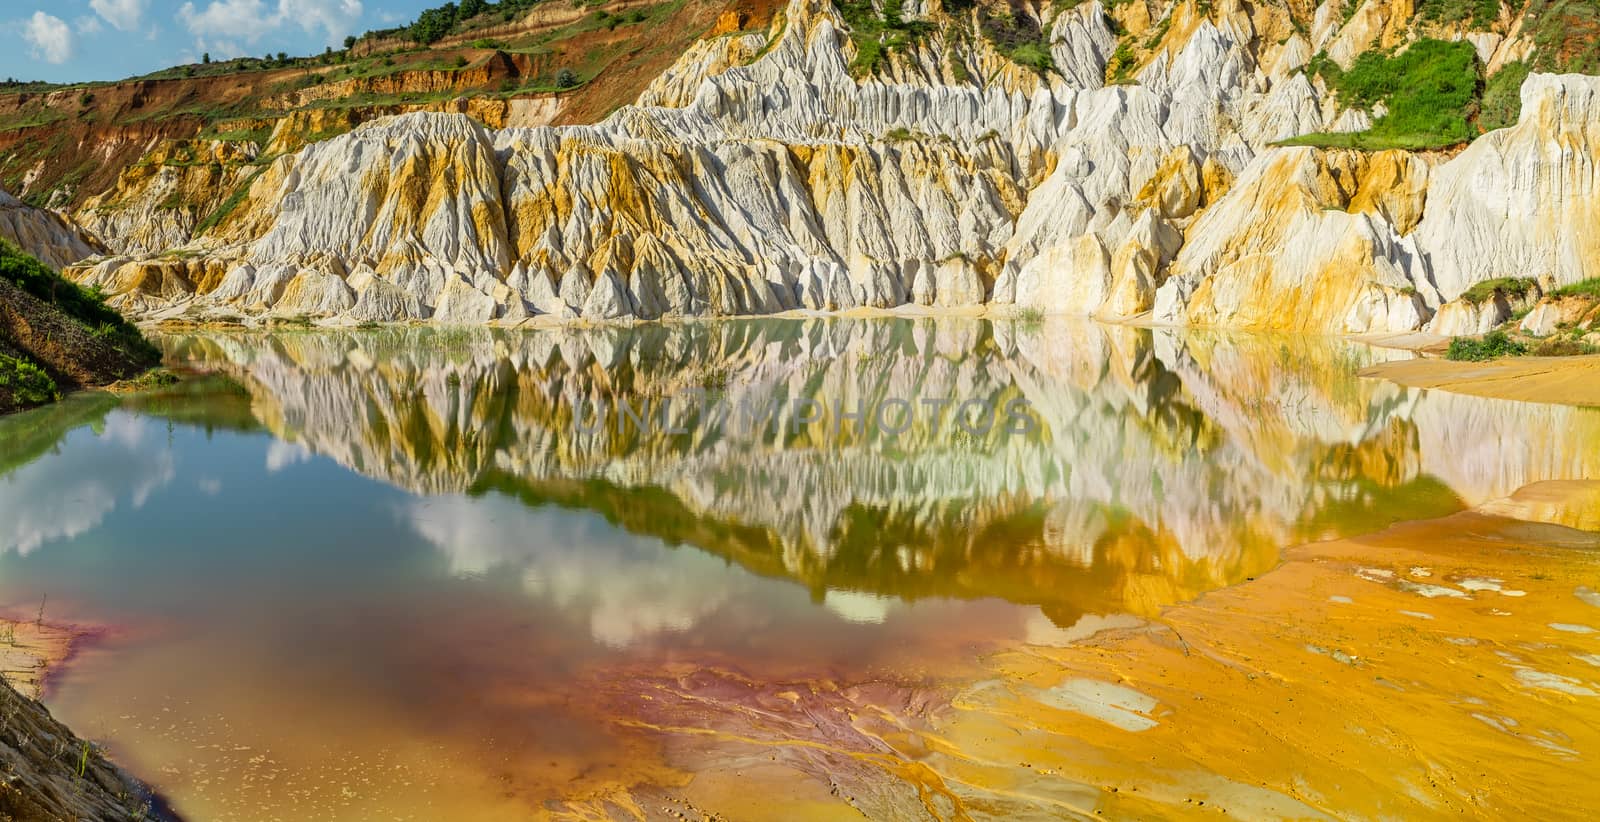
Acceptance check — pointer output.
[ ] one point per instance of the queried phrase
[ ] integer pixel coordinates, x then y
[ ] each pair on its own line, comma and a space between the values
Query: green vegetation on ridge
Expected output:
1429, 92
54, 332
1486, 290
86, 306
875, 34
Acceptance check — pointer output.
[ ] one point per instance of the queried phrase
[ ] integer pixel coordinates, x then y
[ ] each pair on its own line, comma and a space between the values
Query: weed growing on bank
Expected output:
1494, 345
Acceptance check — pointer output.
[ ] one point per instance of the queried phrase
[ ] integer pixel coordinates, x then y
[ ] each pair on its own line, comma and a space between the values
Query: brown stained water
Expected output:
400, 574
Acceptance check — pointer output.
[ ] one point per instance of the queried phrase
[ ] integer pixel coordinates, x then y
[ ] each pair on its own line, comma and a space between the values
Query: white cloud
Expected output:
220, 49
334, 17
71, 492
282, 454
123, 14
250, 19
627, 589
50, 37
88, 26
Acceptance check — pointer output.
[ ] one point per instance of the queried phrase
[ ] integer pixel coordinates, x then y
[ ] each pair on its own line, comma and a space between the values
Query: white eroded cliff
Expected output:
789, 183
44, 234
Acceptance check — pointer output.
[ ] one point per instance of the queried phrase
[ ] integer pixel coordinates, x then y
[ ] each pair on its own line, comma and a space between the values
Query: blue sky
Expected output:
73, 40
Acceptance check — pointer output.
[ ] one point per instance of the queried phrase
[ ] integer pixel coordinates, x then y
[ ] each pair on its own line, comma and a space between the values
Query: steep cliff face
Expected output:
762, 173
44, 234
1523, 201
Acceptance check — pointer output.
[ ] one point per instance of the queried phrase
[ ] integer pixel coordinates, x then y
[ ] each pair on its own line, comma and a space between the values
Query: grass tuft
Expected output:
1586, 288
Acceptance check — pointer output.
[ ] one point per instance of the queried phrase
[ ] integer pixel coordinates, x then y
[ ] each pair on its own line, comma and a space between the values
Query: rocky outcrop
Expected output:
158, 202
52, 774
1306, 240
1523, 201
44, 234
1556, 312
757, 177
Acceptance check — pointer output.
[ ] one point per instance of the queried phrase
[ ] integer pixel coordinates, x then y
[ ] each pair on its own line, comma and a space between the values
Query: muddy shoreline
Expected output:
49, 773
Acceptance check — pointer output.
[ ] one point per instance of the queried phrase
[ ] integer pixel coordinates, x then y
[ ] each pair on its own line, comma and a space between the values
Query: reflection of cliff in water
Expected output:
1164, 465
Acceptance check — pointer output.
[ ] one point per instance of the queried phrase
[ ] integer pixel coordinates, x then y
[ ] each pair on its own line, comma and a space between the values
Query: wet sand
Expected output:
1558, 380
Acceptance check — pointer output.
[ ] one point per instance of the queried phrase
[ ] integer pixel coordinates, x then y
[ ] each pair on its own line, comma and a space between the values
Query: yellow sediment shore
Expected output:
31, 650
1559, 380
1446, 668
1437, 669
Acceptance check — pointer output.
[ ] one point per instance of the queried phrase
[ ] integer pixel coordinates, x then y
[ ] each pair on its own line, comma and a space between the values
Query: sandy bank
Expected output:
1559, 380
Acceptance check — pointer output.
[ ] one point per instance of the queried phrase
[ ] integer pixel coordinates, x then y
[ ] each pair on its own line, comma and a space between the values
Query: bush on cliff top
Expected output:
1477, 13
1502, 97
1510, 287
875, 33
1429, 89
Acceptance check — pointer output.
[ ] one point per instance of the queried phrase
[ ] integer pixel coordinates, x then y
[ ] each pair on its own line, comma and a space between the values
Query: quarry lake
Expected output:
399, 573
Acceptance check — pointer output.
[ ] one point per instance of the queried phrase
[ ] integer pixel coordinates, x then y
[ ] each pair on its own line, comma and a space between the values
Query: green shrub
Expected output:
1034, 56
1427, 88
1562, 347
1477, 13
1493, 345
1119, 69
1019, 37
27, 383
875, 33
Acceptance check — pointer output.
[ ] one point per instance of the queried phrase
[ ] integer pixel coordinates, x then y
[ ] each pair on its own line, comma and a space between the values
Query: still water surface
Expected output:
394, 574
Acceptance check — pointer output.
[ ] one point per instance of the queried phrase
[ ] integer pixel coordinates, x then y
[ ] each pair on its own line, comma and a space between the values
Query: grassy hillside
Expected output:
61, 145
1429, 93
55, 335
1434, 89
